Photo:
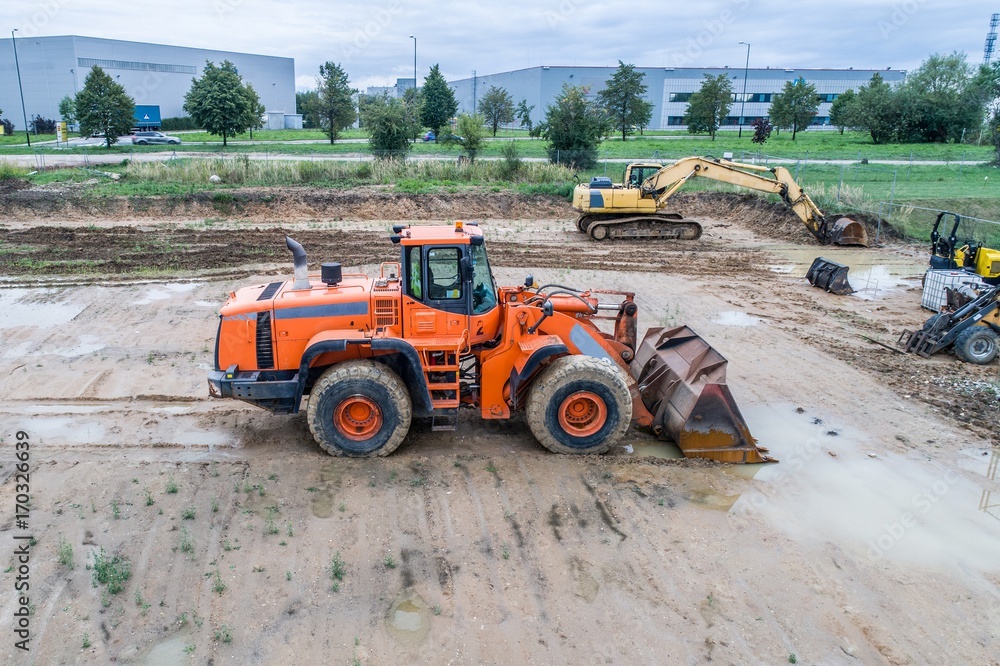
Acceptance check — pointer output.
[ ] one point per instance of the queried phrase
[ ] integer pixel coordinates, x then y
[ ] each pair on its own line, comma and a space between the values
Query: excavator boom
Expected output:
631, 206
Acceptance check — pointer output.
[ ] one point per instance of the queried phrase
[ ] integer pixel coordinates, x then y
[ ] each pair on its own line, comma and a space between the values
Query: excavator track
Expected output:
667, 226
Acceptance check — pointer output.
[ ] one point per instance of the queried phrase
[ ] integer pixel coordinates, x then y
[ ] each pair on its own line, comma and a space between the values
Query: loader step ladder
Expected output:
444, 420
441, 370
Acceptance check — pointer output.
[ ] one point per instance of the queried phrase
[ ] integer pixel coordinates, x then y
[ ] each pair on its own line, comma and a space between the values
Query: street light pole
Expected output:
24, 114
414, 64
743, 103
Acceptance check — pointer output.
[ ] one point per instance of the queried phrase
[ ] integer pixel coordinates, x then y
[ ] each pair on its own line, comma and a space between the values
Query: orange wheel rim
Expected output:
583, 414
358, 418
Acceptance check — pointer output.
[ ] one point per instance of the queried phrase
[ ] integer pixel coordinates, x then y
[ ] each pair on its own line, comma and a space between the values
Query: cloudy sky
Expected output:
372, 38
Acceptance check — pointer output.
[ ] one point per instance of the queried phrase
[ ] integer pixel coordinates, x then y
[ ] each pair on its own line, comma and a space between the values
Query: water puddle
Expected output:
409, 620
837, 484
736, 318
876, 280
66, 430
169, 652
39, 308
88, 344
163, 292
872, 273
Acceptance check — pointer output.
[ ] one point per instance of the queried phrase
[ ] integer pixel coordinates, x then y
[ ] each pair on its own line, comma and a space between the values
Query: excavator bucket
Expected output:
682, 382
845, 231
829, 275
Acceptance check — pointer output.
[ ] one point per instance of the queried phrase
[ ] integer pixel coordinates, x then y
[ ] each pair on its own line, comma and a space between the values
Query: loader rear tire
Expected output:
976, 344
359, 409
579, 404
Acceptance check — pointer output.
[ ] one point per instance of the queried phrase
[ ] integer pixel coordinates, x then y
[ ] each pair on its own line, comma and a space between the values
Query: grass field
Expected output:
807, 146
894, 192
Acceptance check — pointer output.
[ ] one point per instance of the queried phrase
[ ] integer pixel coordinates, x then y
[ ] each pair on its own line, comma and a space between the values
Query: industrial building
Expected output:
398, 90
156, 74
670, 88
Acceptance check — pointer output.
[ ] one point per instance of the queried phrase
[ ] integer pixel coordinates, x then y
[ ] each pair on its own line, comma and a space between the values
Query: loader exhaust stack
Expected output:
300, 263
682, 382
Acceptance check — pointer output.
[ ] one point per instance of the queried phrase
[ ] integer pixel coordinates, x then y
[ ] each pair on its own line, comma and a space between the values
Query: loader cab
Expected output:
446, 270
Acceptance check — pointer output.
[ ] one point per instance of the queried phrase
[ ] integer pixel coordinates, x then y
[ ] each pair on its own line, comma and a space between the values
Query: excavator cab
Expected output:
636, 174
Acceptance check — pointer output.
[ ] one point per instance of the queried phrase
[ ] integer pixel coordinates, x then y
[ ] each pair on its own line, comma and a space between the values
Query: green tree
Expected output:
844, 110
220, 103
707, 109
876, 110
940, 100
795, 106
523, 113
624, 100
412, 101
438, 101
255, 110
574, 127
389, 126
67, 110
306, 105
470, 128
104, 106
497, 108
335, 106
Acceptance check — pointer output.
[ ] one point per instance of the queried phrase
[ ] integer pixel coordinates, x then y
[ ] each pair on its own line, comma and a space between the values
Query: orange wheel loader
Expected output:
433, 333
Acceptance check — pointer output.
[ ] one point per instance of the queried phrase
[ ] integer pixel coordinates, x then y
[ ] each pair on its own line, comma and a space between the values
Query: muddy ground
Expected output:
873, 541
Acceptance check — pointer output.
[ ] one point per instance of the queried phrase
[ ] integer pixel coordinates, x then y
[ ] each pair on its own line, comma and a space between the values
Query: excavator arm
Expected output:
664, 183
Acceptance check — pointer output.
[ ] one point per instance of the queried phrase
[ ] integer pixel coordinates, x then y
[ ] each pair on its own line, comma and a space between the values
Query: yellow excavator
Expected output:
635, 208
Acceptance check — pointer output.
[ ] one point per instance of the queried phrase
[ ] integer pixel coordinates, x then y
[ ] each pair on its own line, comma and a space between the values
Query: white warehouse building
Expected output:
156, 74
670, 88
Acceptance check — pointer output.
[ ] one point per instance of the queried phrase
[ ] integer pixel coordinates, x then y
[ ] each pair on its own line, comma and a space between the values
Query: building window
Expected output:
675, 120
826, 97
759, 97
680, 97
135, 65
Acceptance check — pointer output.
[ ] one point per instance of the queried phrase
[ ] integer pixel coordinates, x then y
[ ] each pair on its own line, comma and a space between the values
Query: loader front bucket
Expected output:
829, 275
682, 382
845, 231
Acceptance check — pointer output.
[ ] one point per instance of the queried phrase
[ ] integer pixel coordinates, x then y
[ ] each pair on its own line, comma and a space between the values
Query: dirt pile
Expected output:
363, 203
771, 219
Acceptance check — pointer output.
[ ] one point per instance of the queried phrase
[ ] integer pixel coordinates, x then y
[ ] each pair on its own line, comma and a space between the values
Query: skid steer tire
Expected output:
976, 344
359, 409
579, 404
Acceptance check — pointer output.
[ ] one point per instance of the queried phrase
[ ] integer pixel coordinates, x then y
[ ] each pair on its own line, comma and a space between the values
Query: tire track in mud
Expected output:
87, 255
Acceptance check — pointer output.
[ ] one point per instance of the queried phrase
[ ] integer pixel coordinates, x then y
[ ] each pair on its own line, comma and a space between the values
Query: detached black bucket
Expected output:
829, 275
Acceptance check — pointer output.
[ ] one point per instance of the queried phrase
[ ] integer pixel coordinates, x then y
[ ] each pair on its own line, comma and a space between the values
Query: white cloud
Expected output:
371, 38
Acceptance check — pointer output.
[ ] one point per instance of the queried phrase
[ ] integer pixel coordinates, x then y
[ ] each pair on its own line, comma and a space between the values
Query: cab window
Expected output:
416, 279
444, 275
484, 293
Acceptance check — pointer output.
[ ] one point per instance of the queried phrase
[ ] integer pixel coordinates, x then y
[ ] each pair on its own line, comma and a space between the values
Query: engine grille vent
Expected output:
269, 291
265, 348
386, 312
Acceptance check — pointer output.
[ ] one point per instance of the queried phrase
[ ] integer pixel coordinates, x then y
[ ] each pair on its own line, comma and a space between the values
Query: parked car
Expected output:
147, 138
429, 136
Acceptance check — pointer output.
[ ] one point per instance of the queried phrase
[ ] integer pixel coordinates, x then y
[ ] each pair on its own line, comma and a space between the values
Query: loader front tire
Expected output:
359, 409
579, 404
976, 344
